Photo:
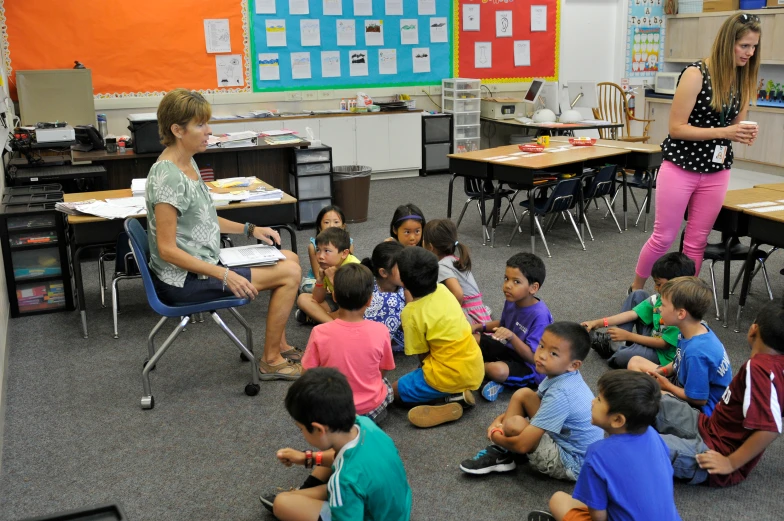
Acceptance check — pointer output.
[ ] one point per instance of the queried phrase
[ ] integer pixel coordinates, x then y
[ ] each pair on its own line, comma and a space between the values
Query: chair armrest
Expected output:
639, 119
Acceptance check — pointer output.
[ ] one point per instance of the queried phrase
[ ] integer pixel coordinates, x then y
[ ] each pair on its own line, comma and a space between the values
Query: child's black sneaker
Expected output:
303, 318
268, 499
491, 459
601, 343
465, 399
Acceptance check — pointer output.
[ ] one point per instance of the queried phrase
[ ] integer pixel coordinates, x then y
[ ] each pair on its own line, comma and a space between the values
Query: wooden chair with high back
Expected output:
613, 107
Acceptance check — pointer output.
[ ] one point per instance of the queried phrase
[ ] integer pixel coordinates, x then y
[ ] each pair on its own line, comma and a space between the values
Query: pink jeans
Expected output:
677, 189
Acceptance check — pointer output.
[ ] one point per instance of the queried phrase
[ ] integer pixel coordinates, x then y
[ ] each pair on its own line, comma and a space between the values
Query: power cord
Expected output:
431, 99
488, 90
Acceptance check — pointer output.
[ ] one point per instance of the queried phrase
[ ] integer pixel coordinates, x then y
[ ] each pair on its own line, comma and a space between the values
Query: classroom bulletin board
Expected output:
644, 38
138, 48
309, 44
503, 41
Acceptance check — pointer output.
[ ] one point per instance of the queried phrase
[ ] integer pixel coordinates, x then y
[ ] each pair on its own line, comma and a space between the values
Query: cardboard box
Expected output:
712, 6
775, 3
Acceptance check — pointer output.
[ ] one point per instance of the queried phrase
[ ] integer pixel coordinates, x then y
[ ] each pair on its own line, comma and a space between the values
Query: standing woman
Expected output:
711, 100
184, 235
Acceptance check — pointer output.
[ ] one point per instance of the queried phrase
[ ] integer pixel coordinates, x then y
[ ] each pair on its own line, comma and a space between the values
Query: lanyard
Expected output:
722, 116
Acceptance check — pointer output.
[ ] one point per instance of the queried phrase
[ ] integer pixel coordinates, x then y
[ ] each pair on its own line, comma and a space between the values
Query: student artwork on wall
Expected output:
313, 44
644, 38
504, 41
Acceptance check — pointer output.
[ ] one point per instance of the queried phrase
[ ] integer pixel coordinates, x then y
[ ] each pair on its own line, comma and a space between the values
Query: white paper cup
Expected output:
748, 123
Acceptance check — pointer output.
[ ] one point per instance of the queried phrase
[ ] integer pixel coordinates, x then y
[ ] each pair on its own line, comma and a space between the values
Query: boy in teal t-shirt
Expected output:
367, 480
640, 310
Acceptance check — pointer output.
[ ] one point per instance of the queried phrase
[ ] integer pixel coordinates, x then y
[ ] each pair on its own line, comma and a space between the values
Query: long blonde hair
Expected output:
726, 77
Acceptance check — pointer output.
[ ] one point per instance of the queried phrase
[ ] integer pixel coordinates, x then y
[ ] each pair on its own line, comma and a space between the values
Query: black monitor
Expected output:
88, 138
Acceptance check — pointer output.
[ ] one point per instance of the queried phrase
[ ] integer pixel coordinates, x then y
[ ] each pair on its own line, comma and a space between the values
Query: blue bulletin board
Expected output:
306, 44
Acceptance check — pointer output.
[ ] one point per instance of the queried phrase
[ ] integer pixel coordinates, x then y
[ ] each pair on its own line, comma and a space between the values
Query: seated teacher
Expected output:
708, 112
184, 235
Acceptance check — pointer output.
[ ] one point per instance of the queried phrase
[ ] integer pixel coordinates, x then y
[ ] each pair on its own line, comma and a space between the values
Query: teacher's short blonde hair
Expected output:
179, 107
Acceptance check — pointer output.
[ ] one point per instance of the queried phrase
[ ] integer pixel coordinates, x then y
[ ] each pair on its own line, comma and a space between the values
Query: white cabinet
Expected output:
659, 111
373, 148
405, 141
339, 133
258, 126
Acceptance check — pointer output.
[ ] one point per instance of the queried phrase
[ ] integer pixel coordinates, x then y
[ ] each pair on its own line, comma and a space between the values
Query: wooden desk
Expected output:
269, 163
779, 187
522, 172
733, 221
89, 232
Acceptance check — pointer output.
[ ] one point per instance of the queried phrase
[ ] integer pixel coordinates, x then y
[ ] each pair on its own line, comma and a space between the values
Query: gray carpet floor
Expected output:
76, 436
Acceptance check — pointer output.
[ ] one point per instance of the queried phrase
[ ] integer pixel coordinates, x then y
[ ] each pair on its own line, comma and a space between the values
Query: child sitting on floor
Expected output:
368, 479
454, 268
332, 251
436, 330
358, 348
406, 226
509, 353
329, 216
552, 425
722, 449
653, 341
621, 470
701, 370
388, 294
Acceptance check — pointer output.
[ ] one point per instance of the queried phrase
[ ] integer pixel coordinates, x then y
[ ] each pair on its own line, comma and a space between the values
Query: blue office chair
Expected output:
141, 251
561, 200
601, 187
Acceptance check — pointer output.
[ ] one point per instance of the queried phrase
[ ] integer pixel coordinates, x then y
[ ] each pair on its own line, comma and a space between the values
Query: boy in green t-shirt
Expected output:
641, 310
332, 251
368, 480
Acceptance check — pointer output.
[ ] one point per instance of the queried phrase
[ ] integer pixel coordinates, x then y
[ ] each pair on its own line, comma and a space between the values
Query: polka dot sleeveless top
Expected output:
697, 156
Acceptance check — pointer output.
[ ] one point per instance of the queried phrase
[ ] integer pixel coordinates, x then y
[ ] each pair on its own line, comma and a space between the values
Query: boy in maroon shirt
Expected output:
722, 449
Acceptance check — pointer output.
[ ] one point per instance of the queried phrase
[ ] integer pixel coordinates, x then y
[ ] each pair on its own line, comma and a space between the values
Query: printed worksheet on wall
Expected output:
387, 61
421, 57
425, 7
217, 35
347, 32
333, 7
310, 32
269, 66
438, 30
358, 62
470, 17
299, 7
265, 6
374, 32
538, 18
330, 64
363, 8
229, 68
409, 31
300, 65
522, 53
276, 33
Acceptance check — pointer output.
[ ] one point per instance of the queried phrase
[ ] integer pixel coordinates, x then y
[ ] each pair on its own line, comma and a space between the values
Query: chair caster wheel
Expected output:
148, 402
145, 365
252, 389
244, 358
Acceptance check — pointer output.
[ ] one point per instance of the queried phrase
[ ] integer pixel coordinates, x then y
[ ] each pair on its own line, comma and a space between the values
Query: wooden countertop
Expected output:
316, 115
126, 192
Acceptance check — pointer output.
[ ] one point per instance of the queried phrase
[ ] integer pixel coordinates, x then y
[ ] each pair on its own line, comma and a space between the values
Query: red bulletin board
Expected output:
543, 46
136, 48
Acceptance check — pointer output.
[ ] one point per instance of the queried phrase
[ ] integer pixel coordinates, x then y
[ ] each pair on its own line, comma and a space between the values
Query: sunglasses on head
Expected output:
749, 18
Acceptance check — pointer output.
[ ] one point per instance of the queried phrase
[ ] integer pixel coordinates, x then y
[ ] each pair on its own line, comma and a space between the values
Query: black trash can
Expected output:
351, 191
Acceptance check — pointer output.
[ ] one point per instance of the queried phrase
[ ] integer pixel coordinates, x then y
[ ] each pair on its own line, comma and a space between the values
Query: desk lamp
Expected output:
572, 115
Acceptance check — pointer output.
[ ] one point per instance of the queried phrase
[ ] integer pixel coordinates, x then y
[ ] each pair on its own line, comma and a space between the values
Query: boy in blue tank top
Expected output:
368, 480
621, 471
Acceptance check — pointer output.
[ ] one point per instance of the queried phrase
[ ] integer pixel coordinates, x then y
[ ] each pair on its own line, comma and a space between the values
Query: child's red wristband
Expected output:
319, 456
497, 429
606, 322
319, 285
308, 459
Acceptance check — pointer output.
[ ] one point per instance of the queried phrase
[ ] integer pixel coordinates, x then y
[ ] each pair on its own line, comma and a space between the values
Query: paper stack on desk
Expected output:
246, 138
138, 187
247, 196
254, 255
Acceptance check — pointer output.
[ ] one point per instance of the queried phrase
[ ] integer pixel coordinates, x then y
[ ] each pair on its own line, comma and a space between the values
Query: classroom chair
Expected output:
642, 180
614, 107
480, 190
601, 185
561, 201
141, 253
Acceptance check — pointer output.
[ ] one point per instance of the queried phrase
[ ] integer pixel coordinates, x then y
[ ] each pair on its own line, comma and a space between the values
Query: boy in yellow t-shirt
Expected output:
436, 329
332, 251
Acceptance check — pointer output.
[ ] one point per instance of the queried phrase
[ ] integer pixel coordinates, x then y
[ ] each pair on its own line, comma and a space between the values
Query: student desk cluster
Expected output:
89, 232
757, 213
507, 165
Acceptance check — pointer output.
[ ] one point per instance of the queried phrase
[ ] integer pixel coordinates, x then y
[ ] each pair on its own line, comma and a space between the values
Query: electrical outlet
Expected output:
310, 95
293, 96
325, 94
436, 89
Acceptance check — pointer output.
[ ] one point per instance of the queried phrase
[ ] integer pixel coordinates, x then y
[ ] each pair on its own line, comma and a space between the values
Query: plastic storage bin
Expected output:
460, 105
435, 157
312, 169
311, 187
311, 155
461, 94
466, 145
747, 5
466, 132
41, 262
307, 211
461, 84
470, 118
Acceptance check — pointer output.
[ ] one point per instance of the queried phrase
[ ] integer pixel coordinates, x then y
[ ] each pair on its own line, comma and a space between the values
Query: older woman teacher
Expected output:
184, 235
707, 115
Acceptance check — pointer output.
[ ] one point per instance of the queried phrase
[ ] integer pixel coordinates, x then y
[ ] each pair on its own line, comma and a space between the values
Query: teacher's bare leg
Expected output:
283, 279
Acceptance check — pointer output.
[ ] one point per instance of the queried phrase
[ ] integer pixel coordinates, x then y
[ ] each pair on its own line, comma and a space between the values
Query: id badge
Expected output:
720, 154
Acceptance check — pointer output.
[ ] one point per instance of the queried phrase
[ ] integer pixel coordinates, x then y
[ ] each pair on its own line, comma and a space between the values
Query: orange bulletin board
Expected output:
136, 48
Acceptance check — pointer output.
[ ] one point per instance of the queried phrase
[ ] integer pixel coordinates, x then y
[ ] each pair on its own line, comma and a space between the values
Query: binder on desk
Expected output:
253, 255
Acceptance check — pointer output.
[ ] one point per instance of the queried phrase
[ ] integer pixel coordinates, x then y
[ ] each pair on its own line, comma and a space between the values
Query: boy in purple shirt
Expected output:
509, 351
